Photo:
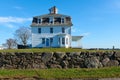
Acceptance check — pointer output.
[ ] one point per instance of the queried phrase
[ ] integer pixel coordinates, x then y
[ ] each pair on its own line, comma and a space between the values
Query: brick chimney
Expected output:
53, 10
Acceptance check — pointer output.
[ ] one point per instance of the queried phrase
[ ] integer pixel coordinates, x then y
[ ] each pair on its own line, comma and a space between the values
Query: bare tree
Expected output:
10, 43
23, 35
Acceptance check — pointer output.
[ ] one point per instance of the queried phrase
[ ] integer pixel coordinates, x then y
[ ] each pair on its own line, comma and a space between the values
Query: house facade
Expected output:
51, 30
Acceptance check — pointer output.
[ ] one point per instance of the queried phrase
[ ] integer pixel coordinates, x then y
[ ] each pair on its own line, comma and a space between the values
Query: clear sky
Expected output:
97, 20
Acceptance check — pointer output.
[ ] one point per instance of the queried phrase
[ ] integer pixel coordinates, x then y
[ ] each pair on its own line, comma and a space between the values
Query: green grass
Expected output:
111, 72
4, 73
50, 50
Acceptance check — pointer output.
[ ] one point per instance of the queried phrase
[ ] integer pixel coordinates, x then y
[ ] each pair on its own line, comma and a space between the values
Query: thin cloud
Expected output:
11, 22
13, 19
86, 34
75, 29
9, 25
117, 4
18, 7
114, 4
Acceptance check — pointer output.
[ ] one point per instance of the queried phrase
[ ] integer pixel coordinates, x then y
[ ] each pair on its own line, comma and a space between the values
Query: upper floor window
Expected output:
51, 30
63, 30
39, 30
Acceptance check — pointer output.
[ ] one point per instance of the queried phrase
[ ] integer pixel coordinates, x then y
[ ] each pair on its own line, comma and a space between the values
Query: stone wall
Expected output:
59, 60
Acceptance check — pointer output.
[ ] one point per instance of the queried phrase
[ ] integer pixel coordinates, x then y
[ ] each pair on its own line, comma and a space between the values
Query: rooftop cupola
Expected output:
53, 10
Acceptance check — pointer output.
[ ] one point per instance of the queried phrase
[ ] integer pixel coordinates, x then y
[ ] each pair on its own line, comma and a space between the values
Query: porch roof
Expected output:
76, 38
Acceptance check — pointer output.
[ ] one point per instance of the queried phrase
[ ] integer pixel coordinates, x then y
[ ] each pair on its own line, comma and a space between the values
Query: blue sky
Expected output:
97, 20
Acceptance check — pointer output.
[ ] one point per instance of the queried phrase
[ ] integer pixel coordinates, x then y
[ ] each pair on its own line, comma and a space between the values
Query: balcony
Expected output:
51, 24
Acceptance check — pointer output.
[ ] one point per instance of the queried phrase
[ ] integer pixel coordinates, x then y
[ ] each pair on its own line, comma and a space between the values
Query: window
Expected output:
51, 30
63, 41
66, 40
51, 22
59, 40
51, 40
63, 30
62, 20
43, 40
39, 21
39, 30
34, 20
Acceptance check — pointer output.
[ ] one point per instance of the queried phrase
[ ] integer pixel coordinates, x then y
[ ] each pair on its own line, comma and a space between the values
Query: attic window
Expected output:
68, 19
62, 20
34, 20
39, 21
57, 20
51, 20
45, 20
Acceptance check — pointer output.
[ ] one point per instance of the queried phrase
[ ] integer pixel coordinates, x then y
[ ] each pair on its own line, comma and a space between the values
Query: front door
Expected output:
47, 42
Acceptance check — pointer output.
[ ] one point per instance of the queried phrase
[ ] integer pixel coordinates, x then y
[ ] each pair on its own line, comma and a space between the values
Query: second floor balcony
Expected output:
51, 24
57, 21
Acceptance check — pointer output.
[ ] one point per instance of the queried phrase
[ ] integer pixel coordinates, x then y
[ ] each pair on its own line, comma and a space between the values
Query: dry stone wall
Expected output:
59, 60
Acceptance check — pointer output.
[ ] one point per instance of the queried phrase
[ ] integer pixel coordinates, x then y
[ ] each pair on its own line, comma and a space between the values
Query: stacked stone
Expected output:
44, 60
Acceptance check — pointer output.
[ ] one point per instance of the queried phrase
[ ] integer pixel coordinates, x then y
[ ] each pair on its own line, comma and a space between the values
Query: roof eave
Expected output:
49, 25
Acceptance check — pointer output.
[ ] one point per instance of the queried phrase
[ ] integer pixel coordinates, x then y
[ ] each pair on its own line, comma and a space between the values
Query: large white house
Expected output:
52, 30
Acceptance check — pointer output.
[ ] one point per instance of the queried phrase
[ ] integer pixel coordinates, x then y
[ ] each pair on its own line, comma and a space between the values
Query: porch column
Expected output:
45, 43
60, 41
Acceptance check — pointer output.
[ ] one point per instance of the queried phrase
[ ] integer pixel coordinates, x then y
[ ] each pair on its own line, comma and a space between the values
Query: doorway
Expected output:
47, 42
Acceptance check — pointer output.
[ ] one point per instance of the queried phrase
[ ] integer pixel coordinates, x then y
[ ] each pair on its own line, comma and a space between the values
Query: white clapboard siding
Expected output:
45, 33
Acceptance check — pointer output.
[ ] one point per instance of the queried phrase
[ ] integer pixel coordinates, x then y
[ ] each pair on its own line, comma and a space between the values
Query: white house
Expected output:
52, 30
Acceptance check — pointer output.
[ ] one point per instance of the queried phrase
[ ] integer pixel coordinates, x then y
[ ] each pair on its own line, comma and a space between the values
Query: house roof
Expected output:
50, 25
46, 19
76, 38
51, 15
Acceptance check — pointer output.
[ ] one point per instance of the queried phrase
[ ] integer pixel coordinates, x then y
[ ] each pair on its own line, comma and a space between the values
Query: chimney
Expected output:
53, 10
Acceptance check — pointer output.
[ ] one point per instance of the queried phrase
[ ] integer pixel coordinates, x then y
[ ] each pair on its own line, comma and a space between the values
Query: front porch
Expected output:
76, 42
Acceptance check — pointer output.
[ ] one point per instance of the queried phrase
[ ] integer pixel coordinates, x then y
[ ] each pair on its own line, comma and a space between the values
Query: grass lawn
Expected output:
50, 50
111, 72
